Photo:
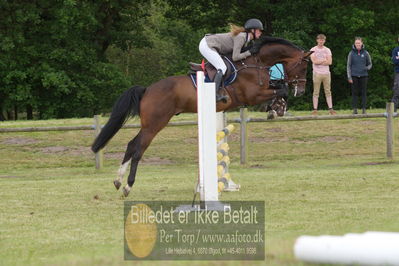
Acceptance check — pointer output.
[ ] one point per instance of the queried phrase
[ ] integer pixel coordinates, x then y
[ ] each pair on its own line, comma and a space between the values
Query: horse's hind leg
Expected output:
133, 170
139, 146
152, 122
132, 146
121, 173
157, 107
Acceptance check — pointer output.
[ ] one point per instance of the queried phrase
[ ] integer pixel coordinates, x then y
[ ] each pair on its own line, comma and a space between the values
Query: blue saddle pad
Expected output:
227, 80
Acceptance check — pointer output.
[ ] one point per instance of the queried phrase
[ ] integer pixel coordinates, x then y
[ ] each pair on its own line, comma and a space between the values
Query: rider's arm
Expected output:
239, 41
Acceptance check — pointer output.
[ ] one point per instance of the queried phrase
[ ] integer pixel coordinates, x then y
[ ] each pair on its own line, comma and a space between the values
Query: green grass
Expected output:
316, 177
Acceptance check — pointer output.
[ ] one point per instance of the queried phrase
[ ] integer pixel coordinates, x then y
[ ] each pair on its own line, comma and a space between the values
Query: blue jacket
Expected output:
359, 63
276, 72
395, 53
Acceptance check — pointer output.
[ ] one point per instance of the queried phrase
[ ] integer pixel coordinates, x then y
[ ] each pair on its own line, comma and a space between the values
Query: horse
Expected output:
158, 103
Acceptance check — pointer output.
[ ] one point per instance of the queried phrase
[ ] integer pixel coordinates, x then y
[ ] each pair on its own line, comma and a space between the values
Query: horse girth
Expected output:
231, 91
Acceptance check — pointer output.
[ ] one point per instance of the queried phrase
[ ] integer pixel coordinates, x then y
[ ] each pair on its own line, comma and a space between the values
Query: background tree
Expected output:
301, 21
53, 54
74, 57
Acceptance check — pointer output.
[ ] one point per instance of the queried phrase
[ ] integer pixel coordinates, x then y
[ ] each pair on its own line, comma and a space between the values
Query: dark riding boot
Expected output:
218, 82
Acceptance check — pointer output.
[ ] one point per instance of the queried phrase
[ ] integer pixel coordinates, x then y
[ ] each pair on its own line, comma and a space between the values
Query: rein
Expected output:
257, 66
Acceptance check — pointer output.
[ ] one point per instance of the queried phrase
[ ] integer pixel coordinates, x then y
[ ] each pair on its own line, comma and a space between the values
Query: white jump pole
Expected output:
370, 248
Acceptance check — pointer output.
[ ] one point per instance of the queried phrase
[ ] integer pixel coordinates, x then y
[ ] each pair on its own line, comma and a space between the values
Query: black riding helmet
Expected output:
253, 23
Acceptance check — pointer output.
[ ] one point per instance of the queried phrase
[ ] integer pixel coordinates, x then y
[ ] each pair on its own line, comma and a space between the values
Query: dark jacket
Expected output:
359, 63
395, 53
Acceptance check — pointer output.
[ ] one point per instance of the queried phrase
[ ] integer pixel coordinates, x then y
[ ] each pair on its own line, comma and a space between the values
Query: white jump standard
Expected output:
207, 148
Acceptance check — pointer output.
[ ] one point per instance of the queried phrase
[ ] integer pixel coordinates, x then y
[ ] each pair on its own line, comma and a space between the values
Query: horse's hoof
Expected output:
126, 190
117, 184
272, 115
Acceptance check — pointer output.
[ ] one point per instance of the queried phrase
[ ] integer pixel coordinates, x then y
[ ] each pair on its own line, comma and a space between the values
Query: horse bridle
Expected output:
261, 67
296, 80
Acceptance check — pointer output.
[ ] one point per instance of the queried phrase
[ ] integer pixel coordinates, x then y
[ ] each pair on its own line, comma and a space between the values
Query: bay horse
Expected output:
158, 103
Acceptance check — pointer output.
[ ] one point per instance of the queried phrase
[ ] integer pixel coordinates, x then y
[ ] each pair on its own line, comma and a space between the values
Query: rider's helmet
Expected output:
253, 23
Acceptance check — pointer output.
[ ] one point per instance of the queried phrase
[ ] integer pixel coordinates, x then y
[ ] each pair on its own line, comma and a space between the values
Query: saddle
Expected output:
210, 71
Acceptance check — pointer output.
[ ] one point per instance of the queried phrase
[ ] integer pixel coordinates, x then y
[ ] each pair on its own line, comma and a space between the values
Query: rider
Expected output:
212, 45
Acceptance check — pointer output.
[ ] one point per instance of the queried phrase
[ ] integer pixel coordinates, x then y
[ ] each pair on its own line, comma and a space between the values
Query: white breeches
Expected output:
212, 56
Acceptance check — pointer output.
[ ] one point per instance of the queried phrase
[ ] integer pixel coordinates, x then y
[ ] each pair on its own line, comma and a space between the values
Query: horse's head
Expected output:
295, 60
296, 68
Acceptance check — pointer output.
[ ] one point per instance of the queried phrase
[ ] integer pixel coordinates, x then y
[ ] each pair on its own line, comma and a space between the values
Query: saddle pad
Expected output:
227, 80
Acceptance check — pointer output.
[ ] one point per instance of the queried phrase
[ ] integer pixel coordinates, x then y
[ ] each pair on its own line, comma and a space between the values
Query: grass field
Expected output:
316, 177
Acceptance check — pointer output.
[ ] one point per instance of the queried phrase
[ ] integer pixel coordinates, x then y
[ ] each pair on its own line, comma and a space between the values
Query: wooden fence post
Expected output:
100, 153
390, 109
243, 135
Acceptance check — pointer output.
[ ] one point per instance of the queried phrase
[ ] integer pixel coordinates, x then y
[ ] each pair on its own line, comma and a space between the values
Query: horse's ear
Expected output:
307, 54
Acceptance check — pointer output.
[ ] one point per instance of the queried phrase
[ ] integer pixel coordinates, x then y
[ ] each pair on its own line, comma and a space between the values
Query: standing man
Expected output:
321, 59
357, 67
395, 60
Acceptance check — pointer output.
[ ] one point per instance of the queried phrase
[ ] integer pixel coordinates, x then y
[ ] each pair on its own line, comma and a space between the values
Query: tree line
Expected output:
73, 58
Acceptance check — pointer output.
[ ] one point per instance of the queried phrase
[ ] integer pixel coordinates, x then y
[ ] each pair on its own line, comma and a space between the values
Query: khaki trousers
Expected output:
318, 79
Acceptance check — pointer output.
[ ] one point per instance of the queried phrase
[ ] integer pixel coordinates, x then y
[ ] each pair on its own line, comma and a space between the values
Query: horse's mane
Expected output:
264, 40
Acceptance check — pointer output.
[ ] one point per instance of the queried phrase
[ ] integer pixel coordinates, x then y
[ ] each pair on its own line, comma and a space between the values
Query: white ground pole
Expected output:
370, 248
207, 147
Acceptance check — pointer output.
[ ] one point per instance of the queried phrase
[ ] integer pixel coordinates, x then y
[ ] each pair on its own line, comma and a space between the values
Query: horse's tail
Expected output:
127, 105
